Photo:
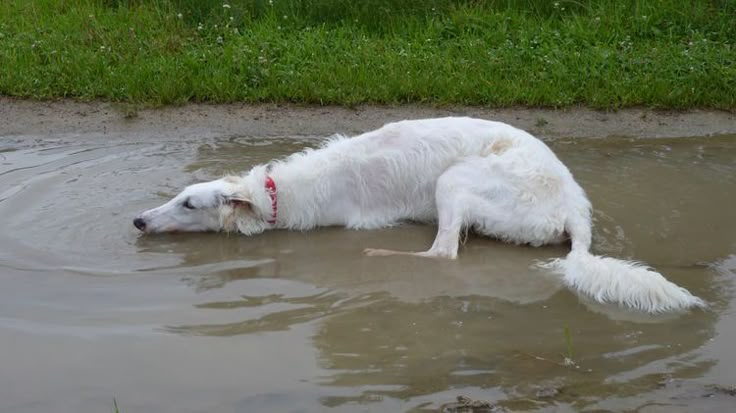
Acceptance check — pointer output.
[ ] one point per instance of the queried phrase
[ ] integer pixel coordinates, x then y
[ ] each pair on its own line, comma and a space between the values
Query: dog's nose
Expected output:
140, 223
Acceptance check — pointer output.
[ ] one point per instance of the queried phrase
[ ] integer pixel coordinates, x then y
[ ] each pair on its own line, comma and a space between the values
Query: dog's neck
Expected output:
302, 195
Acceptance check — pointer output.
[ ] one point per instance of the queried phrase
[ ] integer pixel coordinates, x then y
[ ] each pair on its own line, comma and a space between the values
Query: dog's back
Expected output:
402, 161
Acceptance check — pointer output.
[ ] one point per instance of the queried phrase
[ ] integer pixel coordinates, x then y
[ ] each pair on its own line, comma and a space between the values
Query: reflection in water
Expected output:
407, 328
387, 334
332, 258
476, 342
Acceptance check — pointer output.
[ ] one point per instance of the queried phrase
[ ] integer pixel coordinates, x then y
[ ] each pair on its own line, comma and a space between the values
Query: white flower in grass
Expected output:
180, 16
225, 6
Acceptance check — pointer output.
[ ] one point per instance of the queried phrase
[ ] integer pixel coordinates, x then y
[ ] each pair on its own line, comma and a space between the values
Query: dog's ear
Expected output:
238, 201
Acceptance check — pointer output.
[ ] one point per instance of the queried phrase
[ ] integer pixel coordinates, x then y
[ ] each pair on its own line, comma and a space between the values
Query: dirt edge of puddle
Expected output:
27, 117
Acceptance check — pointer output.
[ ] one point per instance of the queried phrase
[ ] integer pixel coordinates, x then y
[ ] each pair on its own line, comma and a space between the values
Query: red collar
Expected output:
271, 189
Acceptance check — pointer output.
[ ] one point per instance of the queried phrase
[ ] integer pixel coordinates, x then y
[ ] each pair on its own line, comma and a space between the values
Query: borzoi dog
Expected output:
461, 173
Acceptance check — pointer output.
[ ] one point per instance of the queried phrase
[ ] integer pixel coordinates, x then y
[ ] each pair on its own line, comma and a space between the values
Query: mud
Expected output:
66, 116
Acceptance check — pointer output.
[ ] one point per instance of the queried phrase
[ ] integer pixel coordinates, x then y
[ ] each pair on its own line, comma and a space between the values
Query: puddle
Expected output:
90, 310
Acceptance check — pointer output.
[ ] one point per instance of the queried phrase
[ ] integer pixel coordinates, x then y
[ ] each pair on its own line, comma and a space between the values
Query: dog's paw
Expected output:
376, 252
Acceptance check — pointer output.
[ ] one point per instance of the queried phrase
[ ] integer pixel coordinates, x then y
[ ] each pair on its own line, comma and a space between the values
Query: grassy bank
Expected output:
667, 53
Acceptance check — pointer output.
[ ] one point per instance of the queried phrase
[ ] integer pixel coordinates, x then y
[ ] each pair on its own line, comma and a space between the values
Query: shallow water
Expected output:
90, 310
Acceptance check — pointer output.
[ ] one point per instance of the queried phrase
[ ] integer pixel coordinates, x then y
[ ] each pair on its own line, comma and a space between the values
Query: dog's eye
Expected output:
188, 204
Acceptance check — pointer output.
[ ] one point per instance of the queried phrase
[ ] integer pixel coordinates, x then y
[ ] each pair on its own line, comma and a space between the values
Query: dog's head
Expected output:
222, 205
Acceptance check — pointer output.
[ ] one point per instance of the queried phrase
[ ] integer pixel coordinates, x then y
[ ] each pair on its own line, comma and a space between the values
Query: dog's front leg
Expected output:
447, 241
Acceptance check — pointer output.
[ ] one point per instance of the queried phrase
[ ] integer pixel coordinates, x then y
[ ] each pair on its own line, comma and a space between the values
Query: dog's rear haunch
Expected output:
458, 172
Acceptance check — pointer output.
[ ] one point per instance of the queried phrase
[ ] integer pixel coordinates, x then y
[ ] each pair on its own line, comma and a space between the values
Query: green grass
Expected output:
605, 54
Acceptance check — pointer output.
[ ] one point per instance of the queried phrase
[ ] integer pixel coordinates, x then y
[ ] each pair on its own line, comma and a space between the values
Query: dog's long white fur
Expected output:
458, 172
610, 280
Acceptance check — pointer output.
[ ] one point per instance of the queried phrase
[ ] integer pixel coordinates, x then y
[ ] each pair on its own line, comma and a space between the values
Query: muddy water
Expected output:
90, 310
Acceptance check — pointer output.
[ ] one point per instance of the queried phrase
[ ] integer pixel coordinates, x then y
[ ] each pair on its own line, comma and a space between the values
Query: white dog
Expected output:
461, 173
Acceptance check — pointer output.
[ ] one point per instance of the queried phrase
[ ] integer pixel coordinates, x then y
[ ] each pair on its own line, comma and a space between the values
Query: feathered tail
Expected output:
609, 280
